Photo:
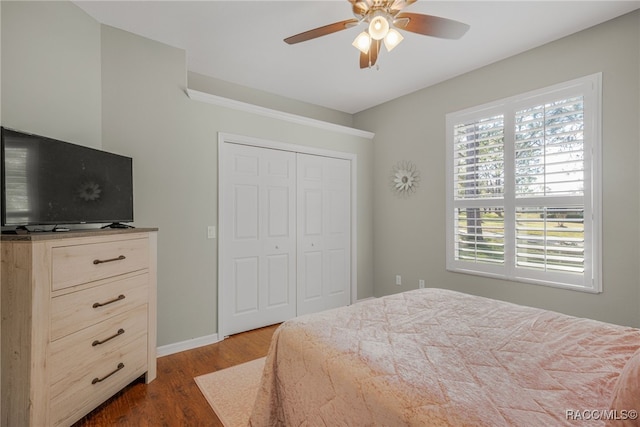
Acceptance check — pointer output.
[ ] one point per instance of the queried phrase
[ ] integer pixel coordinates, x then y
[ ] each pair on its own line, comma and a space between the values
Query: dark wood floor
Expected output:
174, 399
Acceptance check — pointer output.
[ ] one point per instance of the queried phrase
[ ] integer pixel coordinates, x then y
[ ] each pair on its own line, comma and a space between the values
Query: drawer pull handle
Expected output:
102, 261
96, 380
102, 304
97, 342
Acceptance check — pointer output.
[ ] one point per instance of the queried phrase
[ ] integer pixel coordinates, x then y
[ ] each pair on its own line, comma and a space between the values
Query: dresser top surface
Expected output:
54, 235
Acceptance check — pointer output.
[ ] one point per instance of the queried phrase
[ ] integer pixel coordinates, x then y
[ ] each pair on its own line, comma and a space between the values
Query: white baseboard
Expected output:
168, 349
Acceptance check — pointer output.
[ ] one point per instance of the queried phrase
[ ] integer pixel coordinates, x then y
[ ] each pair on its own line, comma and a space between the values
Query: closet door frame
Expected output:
228, 138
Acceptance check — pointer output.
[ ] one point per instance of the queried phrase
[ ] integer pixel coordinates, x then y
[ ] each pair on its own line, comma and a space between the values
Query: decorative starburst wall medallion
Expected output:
404, 178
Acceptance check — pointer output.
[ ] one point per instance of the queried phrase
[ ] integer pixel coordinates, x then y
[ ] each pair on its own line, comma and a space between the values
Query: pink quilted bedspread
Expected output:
433, 357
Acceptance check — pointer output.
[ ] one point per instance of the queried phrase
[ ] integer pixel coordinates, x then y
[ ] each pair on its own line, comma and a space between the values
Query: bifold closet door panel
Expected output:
323, 233
257, 227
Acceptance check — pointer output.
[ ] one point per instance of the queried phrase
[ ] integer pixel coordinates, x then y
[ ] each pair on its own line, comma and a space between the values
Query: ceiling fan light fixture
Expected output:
392, 39
378, 27
362, 42
382, 19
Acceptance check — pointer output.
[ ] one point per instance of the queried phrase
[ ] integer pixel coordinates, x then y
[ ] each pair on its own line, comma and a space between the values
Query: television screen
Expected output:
46, 181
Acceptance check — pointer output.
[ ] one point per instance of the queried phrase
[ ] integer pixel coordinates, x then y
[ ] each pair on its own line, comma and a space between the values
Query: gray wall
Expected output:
51, 71
409, 234
173, 141
256, 97
74, 79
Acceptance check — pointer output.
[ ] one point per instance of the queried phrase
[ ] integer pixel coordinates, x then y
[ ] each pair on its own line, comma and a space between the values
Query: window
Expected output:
523, 187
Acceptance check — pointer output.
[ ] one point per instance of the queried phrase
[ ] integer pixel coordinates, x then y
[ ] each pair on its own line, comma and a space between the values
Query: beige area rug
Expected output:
232, 391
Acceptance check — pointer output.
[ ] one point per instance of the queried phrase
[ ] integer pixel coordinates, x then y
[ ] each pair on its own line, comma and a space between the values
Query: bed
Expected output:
434, 357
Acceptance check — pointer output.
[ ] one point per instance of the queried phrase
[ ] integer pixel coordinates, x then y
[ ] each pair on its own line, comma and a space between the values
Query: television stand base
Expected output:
117, 225
21, 229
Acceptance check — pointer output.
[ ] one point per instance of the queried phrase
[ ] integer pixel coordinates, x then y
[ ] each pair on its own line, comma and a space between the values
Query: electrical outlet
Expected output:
421, 284
398, 280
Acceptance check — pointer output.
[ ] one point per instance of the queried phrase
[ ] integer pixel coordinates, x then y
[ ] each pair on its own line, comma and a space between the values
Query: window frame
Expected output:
590, 88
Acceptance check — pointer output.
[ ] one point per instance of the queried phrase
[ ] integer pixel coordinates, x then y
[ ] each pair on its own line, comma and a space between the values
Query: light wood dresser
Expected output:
78, 321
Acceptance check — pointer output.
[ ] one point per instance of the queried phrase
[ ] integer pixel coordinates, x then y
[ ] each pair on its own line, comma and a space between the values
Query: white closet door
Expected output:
324, 233
258, 220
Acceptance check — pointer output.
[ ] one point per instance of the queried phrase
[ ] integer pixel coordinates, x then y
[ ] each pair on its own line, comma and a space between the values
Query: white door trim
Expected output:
227, 138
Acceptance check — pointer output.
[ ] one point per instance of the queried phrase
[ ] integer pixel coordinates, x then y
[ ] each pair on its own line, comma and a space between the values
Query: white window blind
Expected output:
523, 187
479, 148
549, 149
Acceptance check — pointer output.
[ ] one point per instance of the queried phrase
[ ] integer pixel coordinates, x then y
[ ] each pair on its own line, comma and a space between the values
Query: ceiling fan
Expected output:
384, 18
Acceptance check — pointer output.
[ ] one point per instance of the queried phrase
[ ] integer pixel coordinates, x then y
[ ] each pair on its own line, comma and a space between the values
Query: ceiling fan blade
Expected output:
430, 25
321, 31
368, 60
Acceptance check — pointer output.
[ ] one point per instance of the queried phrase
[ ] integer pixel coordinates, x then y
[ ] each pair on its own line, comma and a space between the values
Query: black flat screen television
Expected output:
51, 182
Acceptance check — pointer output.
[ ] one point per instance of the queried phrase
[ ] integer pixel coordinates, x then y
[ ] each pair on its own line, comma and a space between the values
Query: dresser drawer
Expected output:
83, 263
80, 350
84, 389
78, 310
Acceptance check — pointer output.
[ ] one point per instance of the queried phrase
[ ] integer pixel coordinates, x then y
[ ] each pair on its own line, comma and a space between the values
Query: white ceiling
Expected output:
242, 42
